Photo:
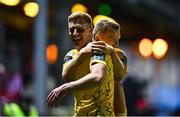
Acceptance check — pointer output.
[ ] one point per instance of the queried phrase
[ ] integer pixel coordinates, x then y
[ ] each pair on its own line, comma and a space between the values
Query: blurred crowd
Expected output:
14, 99
164, 101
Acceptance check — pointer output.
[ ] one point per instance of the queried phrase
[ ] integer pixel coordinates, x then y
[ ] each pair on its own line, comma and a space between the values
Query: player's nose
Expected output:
75, 32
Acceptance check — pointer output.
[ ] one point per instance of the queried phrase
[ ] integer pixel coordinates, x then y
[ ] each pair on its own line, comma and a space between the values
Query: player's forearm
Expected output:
119, 68
71, 67
119, 106
87, 82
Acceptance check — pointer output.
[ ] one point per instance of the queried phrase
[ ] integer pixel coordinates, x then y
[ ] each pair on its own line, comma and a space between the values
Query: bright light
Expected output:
104, 9
79, 8
51, 53
99, 17
145, 47
10, 2
31, 9
160, 48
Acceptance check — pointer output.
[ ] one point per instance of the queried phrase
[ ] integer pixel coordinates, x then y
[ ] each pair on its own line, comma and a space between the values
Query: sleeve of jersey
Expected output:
68, 58
98, 59
122, 56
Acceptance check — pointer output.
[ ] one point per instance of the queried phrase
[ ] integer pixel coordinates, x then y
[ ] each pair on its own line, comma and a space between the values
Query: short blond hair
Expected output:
103, 25
80, 15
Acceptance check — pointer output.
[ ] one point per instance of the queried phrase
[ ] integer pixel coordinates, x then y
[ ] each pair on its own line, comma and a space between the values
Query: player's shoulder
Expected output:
69, 56
121, 52
72, 52
122, 55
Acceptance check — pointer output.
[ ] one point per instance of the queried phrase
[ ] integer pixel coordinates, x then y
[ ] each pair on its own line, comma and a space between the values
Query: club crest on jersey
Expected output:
68, 57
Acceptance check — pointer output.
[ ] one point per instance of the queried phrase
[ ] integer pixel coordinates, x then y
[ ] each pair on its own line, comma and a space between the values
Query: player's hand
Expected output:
109, 49
57, 94
96, 47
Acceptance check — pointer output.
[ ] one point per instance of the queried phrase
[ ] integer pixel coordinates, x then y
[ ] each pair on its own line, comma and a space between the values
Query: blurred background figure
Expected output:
34, 40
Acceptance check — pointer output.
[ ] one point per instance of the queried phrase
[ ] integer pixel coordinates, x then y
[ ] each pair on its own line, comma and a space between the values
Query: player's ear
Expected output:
96, 37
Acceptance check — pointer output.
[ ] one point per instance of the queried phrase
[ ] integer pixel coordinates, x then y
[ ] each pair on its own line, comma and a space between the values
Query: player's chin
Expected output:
78, 42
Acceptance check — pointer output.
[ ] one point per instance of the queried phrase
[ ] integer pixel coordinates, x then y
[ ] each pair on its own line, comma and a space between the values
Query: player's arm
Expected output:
123, 58
120, 106
118, 66
119, 100
91, 80
71, 65
95, 77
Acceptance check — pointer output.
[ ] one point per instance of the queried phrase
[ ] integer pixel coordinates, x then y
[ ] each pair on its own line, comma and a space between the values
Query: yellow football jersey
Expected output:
98, 101
122, 104
122, 56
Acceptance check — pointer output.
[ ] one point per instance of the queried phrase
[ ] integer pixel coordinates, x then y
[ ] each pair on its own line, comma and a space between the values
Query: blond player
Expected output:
109, 32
